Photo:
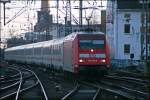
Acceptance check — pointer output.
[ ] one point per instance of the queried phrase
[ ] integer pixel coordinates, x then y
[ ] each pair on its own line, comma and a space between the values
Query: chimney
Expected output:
45, 5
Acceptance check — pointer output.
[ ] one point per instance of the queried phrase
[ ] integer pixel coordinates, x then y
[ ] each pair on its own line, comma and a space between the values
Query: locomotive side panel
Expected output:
75, 55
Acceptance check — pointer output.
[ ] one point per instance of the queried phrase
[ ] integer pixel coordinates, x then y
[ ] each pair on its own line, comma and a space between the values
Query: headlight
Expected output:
80, 60
103, 60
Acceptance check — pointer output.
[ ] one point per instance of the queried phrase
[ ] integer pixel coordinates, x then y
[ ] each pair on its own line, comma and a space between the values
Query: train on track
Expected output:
77, 52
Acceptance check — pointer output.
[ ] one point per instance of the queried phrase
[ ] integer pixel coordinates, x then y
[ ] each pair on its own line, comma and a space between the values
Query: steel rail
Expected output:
17, 95
74, 90
2, 82
118, 93
9, 77
97, 93
125, 88
20, 82
43, 90
136, 79
22, 90
19, 88
95, 86
12, 76
68, 95
122, 93
125, 79
129, 78
131, 74
10, 85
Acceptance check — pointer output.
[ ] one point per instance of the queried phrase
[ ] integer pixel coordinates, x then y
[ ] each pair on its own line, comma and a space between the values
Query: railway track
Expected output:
111, 89
130, 74
129, 79
10, 73
21, 84
83, 91
120, 87
126, 87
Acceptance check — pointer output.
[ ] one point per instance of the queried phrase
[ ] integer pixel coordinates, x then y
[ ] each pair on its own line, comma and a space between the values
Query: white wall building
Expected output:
123, 28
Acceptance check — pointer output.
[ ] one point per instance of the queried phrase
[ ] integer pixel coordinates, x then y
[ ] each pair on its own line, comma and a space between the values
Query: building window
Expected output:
126, 48
144, 1
127, 28
127, 16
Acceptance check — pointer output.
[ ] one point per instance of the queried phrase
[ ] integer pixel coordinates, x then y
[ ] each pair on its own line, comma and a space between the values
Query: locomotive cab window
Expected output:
88, 44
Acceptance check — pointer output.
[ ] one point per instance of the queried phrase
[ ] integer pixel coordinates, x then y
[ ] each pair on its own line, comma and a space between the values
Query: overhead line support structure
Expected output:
4, 4
80, 13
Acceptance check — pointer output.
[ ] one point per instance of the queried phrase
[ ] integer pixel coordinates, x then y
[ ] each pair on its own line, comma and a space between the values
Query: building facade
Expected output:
123, 28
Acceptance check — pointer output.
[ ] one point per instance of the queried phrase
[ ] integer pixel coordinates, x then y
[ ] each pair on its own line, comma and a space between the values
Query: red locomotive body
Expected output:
90, 51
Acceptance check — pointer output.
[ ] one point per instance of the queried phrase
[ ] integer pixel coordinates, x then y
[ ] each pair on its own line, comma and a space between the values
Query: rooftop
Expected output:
132, 4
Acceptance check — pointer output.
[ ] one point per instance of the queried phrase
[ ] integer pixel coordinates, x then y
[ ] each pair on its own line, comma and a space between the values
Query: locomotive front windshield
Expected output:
91, 44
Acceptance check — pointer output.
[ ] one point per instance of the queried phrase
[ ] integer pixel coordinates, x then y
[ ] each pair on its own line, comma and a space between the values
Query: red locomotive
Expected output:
92, 52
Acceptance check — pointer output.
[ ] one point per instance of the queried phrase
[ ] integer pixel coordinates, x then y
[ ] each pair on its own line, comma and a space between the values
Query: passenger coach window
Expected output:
95, 44
37, 51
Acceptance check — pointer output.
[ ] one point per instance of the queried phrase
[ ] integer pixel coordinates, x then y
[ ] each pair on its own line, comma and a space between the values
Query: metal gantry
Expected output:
68, 27
144, 36
4, 3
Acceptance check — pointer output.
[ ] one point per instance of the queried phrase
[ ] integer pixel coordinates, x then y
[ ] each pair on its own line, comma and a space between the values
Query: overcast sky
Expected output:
22, 16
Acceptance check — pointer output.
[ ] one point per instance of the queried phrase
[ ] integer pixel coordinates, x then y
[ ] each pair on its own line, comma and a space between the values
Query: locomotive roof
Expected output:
73, 35
52, 42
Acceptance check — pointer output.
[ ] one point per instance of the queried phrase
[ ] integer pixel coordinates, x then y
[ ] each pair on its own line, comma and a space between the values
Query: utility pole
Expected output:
4, 3
144, 41
80, 12
142, 35
0, 33
147, 33
4, 10
146, 26
57, 20
88, 22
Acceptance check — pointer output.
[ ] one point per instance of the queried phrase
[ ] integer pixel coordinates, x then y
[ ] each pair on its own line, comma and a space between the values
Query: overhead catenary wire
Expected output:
17, 14
75, 20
